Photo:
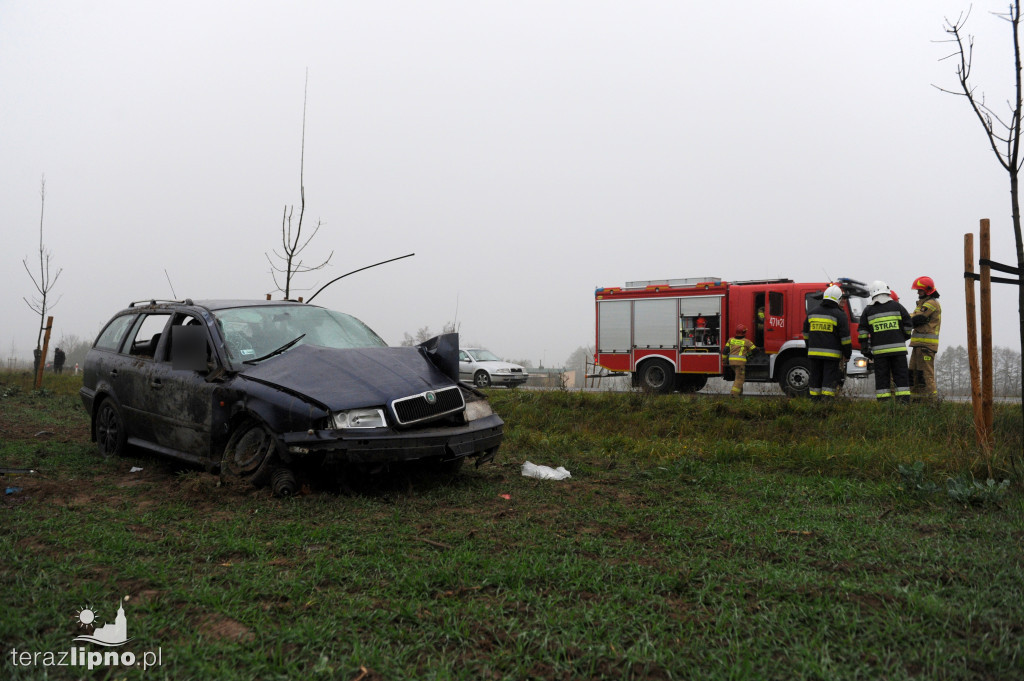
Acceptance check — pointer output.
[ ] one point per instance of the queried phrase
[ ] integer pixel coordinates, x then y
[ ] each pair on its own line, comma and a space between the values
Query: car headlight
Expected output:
360, 418
860, 362
503, 371
477, 409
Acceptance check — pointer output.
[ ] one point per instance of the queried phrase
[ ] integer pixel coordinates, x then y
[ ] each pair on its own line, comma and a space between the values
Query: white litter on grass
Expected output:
531, 470
135, 469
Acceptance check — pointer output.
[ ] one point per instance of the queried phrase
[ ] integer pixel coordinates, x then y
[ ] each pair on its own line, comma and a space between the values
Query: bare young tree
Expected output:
1002, 131
292, 243
40, 303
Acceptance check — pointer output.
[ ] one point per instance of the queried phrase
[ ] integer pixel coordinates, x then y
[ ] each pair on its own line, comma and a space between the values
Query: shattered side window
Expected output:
182, 319
146, 338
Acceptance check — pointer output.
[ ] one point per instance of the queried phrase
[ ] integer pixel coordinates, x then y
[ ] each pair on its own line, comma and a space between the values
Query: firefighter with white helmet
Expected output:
734, 354
827, 335
924, 344
883, 332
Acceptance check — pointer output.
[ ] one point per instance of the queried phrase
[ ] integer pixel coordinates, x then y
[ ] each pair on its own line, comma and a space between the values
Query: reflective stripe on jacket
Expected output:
736, 351
884, 328
827, 332
927, 318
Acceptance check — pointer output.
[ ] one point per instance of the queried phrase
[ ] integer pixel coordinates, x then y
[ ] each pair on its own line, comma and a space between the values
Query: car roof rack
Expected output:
155, 301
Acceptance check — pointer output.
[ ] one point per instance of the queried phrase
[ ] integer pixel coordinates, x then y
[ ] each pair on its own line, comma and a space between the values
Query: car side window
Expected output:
144, 339
463, 357
182, 319
110, 337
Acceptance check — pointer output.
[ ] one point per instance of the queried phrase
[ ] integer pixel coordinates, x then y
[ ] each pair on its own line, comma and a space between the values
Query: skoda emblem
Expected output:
430, 397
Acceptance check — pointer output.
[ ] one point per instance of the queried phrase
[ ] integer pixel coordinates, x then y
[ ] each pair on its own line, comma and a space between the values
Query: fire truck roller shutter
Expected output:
655, 323
614, 326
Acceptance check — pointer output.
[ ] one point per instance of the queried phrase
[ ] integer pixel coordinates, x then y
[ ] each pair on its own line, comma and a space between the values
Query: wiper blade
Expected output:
275, 352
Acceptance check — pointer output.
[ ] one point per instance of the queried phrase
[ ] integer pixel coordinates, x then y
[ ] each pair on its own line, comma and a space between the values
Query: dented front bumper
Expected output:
384, 445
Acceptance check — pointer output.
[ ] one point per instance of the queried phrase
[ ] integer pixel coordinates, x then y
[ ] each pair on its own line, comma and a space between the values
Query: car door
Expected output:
465, 367
135, 363
181, 401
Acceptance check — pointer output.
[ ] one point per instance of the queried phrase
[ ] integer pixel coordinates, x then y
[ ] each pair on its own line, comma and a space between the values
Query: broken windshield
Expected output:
252, 333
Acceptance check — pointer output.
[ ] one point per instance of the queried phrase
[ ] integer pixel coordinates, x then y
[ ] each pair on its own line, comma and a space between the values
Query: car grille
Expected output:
415, 408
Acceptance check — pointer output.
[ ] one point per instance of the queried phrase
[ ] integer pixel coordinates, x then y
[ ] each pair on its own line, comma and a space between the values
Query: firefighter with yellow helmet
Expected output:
827, 335
734, 354
924, 343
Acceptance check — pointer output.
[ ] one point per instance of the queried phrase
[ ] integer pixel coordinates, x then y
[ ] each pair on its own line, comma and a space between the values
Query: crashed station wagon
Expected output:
259, 388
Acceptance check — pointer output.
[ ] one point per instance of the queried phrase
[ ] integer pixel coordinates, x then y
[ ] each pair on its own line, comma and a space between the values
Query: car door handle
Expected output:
156, 384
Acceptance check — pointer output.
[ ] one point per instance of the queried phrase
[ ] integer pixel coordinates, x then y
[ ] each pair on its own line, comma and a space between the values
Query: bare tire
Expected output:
111, 437
249, 453
795, 377
658, 376
482, 379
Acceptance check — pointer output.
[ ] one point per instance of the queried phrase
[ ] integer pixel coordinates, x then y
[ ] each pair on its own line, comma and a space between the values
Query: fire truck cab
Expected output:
669, 333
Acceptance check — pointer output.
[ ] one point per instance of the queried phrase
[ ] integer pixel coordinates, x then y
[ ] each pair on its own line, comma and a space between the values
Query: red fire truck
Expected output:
668, 333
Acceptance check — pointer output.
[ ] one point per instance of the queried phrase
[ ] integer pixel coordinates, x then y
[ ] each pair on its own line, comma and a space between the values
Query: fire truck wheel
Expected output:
658, 376
482, 379
795, 378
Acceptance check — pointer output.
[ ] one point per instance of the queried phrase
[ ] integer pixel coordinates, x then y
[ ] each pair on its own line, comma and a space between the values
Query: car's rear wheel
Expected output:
111, 437
249, 453
482, 379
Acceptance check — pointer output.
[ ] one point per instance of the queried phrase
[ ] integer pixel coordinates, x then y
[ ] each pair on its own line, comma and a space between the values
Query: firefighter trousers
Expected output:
922, 372
824, 377
891, 376
741, 374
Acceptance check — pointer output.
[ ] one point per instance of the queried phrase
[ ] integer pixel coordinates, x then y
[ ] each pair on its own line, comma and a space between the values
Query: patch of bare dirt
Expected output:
221, 628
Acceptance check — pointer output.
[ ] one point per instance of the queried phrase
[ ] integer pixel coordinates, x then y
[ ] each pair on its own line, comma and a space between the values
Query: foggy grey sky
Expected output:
527, 152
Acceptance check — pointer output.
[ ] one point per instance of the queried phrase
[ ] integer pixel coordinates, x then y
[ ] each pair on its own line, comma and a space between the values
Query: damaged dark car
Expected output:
259, 389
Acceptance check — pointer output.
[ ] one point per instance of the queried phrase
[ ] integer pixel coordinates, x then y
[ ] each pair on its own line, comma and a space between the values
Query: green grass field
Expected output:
699, 537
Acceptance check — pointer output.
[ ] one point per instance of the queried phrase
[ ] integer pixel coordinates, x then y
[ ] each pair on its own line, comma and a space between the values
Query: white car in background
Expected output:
481, 368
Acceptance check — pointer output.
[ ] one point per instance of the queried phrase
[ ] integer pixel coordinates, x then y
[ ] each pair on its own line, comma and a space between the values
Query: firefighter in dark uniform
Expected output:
827, 335
924, 343
883, 332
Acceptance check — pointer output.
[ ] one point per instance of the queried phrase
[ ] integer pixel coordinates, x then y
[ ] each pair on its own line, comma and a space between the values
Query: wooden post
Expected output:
42, 358
986, 332
972, 342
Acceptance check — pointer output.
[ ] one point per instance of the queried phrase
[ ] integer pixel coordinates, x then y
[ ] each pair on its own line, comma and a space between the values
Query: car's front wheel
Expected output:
482, 379
249, 453
111, 437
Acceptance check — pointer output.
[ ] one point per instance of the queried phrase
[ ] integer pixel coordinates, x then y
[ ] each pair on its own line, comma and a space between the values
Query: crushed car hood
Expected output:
352, 378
